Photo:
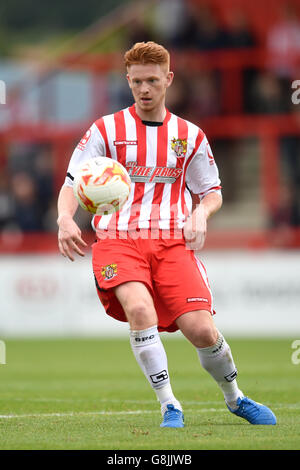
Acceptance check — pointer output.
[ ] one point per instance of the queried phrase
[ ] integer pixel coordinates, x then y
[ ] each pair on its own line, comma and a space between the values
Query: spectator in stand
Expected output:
27, 191
138, 31
286, 212
283, 45
176, 12
27, 214
239, 34
6, 205
285, 216
180, 96
283, 42
43, 174
200, 30
205, 100
290, 161
266, 94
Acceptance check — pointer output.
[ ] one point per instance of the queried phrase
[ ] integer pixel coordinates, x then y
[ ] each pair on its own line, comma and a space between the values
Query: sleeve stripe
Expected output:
101, 128
70, 176
215, 188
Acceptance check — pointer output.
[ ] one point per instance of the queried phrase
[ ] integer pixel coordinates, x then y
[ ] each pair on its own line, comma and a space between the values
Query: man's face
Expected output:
148, 83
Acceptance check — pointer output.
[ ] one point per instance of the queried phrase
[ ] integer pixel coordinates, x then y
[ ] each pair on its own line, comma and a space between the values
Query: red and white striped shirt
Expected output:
165, 162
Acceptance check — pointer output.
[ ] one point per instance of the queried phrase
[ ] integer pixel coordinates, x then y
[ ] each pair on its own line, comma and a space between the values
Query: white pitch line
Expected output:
295, 406
134, 412
96, 413
72, 413
103, 400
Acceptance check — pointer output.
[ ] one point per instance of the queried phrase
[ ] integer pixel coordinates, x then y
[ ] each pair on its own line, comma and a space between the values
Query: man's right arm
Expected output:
69, 234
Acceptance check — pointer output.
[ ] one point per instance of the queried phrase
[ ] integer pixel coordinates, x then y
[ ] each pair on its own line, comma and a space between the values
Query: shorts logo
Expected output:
196, 299
159, 377
109, 271
179, 146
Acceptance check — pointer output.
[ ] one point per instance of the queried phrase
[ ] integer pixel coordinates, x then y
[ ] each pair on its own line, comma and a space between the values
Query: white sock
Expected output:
165, 396
218, 362
151, 356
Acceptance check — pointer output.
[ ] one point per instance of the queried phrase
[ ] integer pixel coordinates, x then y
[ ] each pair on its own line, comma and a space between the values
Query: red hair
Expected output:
147, 53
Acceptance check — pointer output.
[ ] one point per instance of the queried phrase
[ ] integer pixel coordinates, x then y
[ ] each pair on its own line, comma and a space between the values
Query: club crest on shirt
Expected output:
179, 146
109, 271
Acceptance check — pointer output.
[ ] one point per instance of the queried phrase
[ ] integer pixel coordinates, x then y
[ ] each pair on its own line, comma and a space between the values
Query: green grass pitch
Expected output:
90, 394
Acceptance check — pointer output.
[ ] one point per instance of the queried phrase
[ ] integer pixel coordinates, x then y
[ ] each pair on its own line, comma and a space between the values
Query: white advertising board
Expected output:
255, 294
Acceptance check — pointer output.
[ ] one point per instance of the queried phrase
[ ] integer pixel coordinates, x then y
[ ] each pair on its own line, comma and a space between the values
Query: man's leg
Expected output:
215, 356
146, 344
213, 351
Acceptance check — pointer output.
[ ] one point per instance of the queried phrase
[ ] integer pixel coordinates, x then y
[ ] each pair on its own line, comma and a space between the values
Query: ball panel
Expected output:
102, 186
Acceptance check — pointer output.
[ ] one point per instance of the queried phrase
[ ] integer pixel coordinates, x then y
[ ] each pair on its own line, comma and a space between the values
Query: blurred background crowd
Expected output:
234, 63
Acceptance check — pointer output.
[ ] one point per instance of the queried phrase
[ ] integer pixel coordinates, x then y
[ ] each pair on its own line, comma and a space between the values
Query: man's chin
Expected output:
147, 105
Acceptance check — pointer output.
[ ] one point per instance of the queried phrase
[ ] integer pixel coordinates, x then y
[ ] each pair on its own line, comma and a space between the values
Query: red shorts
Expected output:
174, 276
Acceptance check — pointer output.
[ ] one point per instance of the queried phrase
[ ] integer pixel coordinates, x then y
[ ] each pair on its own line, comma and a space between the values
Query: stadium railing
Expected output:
232, 123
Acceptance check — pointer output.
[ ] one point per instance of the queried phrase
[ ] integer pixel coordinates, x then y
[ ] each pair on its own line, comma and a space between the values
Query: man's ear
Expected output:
129, 81
170, 77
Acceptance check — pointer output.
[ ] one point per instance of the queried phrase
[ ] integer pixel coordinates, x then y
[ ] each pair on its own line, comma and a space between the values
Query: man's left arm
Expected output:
195, 228
203, 180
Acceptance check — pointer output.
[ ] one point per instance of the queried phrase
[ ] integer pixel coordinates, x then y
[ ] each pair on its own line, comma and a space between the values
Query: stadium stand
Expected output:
241, 58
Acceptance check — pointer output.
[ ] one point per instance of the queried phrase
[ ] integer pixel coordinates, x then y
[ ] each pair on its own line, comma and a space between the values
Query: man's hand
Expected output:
195, 228
69, 237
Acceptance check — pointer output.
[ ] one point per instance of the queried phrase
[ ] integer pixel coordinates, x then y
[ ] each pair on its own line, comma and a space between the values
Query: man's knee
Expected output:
137, 304
205, 335
199, 328
140, 314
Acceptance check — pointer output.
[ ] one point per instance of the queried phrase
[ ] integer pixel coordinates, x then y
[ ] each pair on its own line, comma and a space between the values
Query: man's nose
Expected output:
144, 87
